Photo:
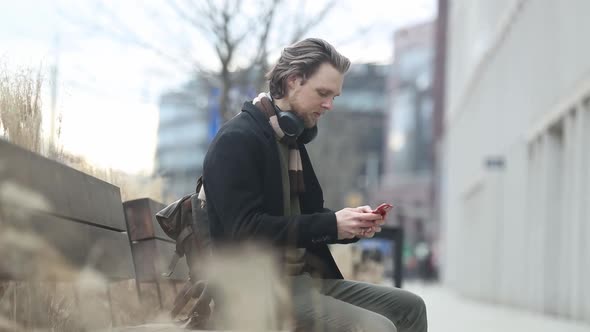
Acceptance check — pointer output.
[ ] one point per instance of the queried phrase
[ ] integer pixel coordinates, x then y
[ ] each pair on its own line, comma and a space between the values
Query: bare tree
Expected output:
301, 24
225, 26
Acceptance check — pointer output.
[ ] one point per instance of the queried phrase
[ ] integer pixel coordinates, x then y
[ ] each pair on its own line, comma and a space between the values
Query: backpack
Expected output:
186, 222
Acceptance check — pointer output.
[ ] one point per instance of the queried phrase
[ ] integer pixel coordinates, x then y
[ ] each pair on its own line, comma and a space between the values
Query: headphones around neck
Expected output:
294, 127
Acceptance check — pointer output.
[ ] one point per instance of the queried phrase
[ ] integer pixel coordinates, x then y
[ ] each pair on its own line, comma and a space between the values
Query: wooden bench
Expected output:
152, 251
67, 258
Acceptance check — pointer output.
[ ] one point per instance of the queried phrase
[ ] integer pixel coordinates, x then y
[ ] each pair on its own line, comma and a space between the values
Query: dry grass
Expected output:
135, 186
27, 299
246, 279
39, 287
20, 123
20, 106
77, 299
132, 186
253, 296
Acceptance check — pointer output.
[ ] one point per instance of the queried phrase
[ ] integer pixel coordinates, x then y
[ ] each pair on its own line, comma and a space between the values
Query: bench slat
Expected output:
71, 194
79, 244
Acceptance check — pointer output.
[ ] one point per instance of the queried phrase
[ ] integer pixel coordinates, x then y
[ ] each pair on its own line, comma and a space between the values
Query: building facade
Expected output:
183, 137
515, 182
408, 150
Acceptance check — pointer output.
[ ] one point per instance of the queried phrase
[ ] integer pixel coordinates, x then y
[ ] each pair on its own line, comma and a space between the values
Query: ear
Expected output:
293, 81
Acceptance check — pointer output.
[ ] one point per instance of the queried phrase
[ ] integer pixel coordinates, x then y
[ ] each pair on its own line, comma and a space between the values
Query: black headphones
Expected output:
294, 127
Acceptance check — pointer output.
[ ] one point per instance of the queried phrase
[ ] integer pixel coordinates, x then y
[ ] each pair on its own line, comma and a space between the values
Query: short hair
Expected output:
303, 59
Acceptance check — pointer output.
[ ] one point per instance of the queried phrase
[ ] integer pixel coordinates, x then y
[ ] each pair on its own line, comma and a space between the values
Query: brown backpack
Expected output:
186, 222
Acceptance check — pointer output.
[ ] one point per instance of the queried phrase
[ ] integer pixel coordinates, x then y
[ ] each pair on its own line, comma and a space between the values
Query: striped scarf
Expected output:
264, 104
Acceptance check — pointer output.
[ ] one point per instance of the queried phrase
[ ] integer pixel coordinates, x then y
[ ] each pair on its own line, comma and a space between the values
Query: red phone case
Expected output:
383, 209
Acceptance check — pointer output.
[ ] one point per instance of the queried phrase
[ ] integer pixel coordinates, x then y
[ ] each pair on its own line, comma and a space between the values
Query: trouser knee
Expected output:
418, 307
377, 323
415, 318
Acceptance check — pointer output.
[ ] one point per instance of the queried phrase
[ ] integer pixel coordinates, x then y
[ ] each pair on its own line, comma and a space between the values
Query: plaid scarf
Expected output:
264, 104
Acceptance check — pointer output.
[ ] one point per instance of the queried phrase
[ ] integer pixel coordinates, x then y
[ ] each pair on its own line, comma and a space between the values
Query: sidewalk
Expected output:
448, 311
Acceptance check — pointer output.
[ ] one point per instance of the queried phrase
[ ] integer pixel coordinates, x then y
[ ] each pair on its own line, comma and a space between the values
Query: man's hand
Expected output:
357, 222
368, 233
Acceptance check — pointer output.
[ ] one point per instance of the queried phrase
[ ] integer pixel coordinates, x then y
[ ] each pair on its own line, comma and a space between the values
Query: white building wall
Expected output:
518, 76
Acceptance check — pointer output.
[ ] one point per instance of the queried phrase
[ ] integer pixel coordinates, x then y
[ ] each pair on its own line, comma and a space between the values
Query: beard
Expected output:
309, 120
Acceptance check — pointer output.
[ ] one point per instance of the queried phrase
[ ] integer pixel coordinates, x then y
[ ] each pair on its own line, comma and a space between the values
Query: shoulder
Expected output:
239, 136
239, 130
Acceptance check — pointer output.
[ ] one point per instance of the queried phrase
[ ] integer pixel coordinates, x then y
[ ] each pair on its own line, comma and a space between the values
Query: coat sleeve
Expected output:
233, 179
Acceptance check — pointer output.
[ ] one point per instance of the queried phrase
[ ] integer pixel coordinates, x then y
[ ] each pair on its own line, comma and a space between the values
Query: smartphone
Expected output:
383, 209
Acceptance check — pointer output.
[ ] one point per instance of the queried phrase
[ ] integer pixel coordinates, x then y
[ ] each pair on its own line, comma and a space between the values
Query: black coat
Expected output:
243, 186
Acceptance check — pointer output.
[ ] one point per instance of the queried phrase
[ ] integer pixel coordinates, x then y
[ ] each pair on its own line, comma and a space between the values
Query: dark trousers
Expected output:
342, 305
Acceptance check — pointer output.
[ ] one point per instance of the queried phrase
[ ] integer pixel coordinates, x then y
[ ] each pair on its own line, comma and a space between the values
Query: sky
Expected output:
108, 88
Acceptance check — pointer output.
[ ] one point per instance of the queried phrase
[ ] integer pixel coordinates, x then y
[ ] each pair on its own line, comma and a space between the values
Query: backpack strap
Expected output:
179, 252
195, 230
171, 266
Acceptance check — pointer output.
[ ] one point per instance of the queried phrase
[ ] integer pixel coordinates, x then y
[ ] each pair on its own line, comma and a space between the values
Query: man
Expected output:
260, 185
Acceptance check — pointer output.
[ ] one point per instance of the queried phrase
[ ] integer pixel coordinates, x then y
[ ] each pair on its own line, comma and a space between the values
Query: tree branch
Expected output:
301, 30
222, 23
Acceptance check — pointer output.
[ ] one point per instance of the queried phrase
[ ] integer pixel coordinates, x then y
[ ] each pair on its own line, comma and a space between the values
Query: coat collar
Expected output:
259, 117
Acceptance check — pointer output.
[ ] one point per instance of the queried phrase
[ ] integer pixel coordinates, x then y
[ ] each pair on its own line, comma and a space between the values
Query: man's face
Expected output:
314, 97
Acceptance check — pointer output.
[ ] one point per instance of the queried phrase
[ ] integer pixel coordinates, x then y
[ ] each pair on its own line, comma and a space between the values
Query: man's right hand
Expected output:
352, 221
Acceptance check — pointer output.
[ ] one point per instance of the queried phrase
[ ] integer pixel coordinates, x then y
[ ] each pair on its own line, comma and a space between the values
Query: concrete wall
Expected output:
515, 229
